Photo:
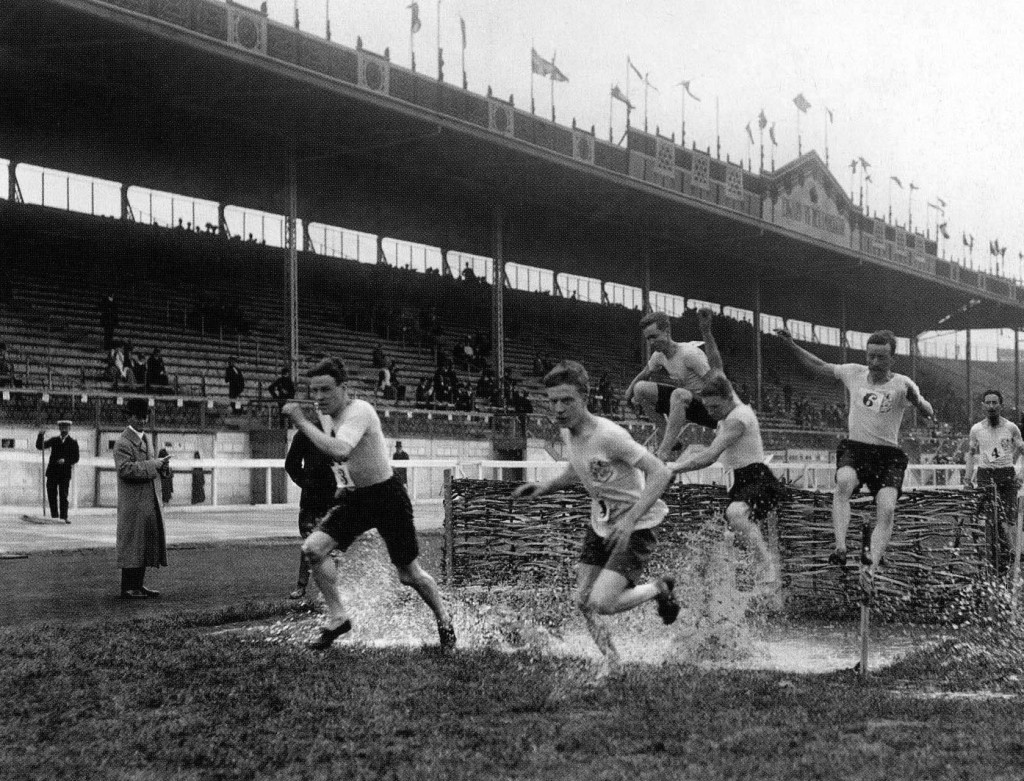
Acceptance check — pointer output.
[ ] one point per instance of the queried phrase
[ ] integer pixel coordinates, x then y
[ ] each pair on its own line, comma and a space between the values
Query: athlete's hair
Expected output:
329, 367
884, 337
992, 392
659, 319
569, 373
718, 386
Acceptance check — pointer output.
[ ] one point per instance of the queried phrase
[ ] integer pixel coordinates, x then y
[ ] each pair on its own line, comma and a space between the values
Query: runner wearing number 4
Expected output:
871, 455
625, 483
370, 496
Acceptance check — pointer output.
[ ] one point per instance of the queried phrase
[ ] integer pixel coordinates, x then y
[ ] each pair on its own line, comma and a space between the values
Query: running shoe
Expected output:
668, 607
328, 636
837, 557
446, 633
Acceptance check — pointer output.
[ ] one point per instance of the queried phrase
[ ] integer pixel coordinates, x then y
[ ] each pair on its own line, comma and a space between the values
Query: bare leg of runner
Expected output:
738, 515
317, 549
586, 576
646, 395
846, 482
681, 399
420, 580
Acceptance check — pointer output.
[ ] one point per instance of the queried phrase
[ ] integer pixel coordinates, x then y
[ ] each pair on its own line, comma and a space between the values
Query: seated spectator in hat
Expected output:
234, 378
156, 372
282, 389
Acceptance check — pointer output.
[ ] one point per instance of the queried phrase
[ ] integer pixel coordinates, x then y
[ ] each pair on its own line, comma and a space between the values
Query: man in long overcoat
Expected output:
140, 525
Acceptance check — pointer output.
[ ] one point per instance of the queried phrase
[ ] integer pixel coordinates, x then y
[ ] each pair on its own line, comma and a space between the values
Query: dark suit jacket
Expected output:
66, 449
310, 469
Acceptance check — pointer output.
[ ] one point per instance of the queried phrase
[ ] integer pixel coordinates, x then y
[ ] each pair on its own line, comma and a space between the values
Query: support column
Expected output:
844, 341
967, 331
644, 242
291, 243
12, 182
126, 208
1016, 374
498, 293
913, 373
222, 220
758, 365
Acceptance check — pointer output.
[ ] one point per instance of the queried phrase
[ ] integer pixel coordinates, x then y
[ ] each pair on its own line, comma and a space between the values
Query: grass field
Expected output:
172, 697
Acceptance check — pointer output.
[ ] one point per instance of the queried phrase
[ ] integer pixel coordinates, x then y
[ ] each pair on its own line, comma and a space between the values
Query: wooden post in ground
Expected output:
1015, 583
449, 529
865, 636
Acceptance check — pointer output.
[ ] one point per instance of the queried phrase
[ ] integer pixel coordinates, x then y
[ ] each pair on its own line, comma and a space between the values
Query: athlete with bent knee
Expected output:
625, 483
670, 405
370, 497
871, 455
737, 446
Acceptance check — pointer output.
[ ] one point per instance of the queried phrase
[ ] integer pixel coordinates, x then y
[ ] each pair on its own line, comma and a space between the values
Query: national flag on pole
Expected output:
936, 207
943, 231
750, 133
636, 70
462, 26
853, 166
762, 120
619, 95
993, 248
802, 103
864, 163
415, 24
544, 68
829, 112
771, 135
897, 180
965, 239
868, 178
686, 86
1002, 252
914, 186
942, 202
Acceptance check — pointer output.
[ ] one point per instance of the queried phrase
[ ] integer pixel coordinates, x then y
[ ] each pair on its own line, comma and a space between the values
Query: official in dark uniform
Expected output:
63, 456
312, 470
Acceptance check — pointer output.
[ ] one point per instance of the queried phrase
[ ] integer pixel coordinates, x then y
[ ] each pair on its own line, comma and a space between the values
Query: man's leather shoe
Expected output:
133, 593
150, 592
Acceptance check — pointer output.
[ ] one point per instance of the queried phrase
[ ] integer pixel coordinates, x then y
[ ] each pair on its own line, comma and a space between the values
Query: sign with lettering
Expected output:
806, 207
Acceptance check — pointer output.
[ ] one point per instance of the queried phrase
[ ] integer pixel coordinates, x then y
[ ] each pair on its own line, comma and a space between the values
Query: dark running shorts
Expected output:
696, 412
630, 563
877, 466
384, 507
758, 488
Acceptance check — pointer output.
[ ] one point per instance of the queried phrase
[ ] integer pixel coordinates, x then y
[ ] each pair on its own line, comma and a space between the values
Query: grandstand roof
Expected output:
155, 94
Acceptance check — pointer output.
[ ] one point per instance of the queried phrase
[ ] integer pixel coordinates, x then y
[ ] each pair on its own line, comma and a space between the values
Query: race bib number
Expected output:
875, 401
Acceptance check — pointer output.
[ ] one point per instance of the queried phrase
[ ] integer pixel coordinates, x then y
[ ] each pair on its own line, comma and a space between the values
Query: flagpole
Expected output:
440, 75
826, 138
628, 102
327, 17
646, 86
718, 133
890, 199
611, 106
799, 140
462, 27
533, 105
552, 77
760, 135
682, 132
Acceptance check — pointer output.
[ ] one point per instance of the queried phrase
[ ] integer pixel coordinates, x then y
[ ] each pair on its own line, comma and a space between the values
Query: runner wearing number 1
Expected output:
625, 483
871, 455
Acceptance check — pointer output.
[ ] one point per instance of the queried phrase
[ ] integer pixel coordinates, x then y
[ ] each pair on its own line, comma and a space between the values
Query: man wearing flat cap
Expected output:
63, 455
140, 524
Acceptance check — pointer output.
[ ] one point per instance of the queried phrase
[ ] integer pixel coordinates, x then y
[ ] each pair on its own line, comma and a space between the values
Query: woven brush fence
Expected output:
941, 542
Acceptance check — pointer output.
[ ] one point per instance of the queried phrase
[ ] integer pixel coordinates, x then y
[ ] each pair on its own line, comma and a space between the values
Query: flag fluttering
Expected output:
771, 135
801, 103
636, 70
829, 112
414, 23
897, 180
619, 95
864, 163
943, 231
750, 133
462, 26
544, 68
853, 166
686, 86
762, 120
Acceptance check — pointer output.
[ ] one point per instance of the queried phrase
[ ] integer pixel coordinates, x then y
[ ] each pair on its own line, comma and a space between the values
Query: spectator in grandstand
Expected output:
234, 378
464, 397
737, 446
379, 359
994, 446
671, 402
6, 368
138, 367
485, 387
119, 368
156, 372
625, 484
371, 497
64, 455
282, 389
606, 394
871, 455
313, 471
396, 381
384, 387
198, 479
108, 319
424, 393
166, 479
140, 526
400, 455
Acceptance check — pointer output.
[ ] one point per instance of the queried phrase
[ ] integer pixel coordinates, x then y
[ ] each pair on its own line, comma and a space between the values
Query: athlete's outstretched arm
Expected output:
532, 490
728, 432
914, 397
656, 479
710, 345
808, 360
